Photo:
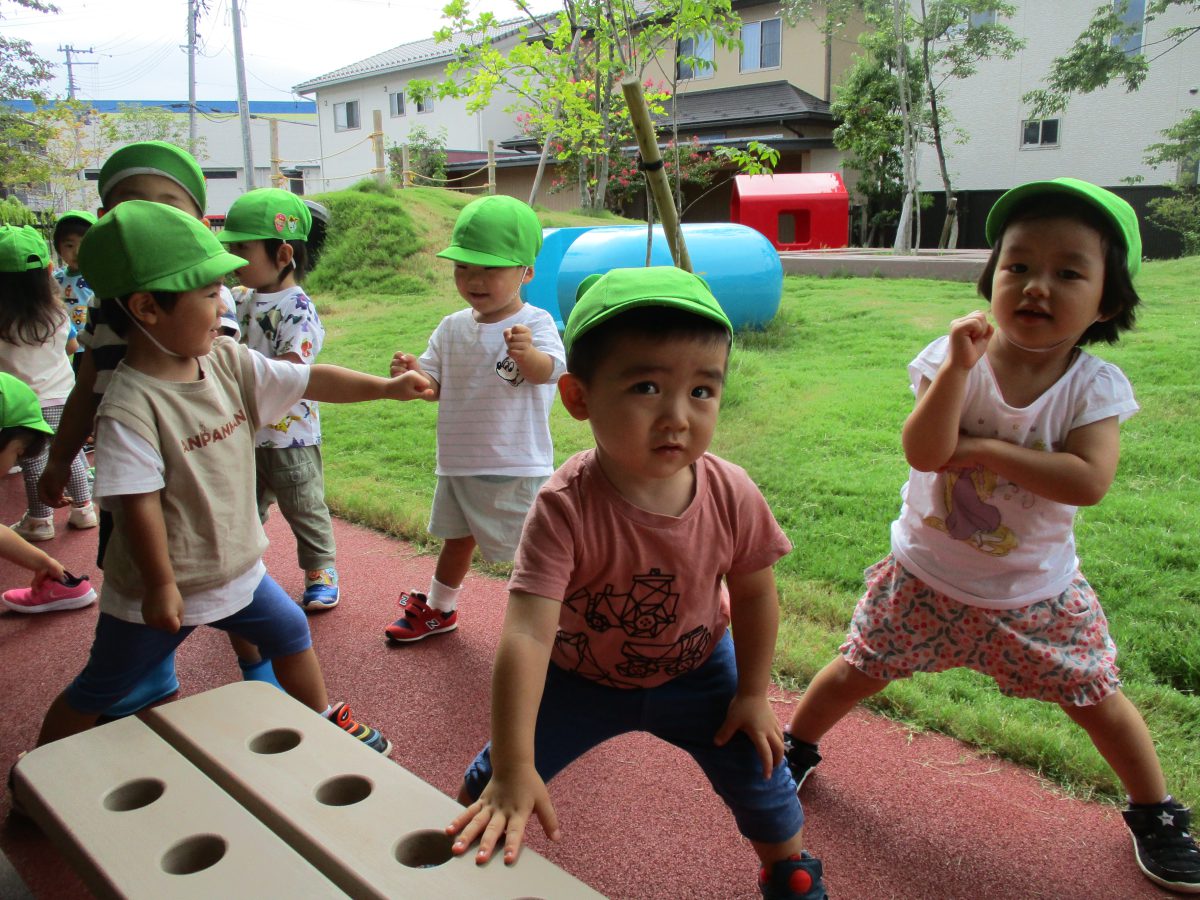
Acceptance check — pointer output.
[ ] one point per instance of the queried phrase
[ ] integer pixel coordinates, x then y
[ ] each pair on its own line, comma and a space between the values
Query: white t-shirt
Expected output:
978, 537
46, 368
278, 324
491, 421
127, 464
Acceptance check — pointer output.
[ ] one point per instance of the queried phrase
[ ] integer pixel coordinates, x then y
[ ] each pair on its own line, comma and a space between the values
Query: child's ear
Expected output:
528, 277
142, 306
574, 396
283, 256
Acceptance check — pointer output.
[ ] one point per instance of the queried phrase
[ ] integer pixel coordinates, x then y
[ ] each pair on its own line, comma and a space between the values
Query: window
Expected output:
396, 103
1132, 14
345, 116
701, 50
979, 19
760, 45
1039, 133
425, 106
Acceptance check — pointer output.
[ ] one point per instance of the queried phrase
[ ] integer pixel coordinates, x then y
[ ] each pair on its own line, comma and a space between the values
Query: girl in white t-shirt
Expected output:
1015, 427
34, 335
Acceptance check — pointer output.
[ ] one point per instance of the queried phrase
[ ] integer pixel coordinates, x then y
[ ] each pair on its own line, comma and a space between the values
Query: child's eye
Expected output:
1016, 268
703, 393
1069, 274
645, 387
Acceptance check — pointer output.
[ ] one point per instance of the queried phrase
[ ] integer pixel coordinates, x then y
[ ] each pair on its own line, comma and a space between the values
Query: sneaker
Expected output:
801, 756
321, 589
1165, 851
91, 475
35, 528
341, 716
15, 470
796, 878
83, 516
70, 593
420, 620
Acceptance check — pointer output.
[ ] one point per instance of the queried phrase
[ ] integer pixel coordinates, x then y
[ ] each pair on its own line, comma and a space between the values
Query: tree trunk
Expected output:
903, 241
949, 234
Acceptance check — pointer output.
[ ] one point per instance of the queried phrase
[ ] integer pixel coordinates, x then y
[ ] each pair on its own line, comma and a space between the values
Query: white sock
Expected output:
328, 711
441, 597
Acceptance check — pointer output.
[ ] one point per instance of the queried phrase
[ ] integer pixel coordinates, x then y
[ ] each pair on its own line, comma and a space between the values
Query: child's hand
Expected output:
753, 715
162, 608
969, 338
411, 385
519, 340
53, 483
502, 811
404, 362
49, 569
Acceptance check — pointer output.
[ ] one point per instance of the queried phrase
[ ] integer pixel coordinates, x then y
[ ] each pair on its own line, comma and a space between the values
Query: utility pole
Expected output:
68, 50
193, 13
243, 103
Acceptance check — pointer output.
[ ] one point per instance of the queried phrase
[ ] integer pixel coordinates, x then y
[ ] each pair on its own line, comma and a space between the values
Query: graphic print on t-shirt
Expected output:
508, 371
969, 515
642, 613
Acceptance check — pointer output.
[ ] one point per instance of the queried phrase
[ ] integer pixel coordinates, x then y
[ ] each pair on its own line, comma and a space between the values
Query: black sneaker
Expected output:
1165, 851
796, 878
801, 756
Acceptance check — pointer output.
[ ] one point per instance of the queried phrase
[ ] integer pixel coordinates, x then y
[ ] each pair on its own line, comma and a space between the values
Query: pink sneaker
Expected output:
70, 593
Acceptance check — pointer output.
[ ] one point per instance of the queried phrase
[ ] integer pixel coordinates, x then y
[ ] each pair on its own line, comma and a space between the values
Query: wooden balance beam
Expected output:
244, 790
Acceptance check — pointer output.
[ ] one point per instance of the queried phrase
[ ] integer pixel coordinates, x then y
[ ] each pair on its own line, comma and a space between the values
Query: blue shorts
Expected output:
124, 652
577, 714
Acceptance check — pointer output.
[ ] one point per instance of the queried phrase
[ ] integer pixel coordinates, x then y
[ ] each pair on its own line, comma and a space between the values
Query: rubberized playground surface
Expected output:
892, 814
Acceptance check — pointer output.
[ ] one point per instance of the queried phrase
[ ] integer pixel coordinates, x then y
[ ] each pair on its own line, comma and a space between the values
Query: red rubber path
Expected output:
892, 814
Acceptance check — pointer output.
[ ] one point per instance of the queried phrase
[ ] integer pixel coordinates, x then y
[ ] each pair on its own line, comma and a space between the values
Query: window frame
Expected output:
1134, 43
699, 44
424, 106
347, 107
392, 104
758, 52
1041, 143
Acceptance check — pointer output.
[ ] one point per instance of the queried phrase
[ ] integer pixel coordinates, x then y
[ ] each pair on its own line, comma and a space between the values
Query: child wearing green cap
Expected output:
493, 368
174, 462
270, 228
159, 172
635, 558
23, 429
34, 335
68, 232
1016, 426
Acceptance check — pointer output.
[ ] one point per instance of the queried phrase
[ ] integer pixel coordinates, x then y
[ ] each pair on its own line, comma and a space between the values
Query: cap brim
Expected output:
476, 258
197, 276
228, 237
688, 306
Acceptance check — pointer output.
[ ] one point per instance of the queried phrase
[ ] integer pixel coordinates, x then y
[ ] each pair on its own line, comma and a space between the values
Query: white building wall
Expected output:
1102, 136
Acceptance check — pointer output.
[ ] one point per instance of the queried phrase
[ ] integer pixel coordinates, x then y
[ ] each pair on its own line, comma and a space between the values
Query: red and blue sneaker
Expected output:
420, 620
796, 878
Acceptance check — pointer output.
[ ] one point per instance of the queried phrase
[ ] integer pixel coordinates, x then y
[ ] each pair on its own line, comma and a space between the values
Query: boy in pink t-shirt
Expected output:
634, 559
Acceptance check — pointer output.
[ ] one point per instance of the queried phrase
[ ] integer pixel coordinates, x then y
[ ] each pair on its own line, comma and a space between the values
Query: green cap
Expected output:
83, 216
267, 213
19, 405
154, 158
1119, 213
22, 248
601, 297
495, 231
144, 246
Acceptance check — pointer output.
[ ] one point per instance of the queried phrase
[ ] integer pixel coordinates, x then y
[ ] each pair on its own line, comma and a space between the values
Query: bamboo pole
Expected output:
656, 176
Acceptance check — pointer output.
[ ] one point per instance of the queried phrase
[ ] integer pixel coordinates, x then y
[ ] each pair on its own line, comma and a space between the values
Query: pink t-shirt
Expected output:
643, 594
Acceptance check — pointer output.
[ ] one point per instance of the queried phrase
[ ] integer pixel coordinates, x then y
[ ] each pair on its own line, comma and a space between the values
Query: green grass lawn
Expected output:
813, 411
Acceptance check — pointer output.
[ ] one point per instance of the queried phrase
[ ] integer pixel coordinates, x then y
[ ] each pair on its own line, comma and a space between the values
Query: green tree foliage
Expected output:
14, 212
426, 157
565, 71
1180, 212
23, 75
1097, 58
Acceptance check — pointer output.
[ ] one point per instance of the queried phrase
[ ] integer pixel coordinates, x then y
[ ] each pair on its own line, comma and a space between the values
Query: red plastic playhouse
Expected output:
802, 211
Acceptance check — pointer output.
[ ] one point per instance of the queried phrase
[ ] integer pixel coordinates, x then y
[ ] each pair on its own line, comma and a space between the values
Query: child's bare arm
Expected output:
405, 362
333, 384
162, 607
17, 550
1079, 474
516, 790
930, 433
536, 365
73, 430
754, 615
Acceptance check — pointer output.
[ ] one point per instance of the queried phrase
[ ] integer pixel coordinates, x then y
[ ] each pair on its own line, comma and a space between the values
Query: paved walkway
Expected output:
892, 814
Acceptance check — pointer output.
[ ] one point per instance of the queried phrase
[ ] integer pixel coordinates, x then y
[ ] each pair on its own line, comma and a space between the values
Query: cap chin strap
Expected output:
151, 337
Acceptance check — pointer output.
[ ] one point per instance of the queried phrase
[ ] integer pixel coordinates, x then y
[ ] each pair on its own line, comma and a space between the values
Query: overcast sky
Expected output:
140, 47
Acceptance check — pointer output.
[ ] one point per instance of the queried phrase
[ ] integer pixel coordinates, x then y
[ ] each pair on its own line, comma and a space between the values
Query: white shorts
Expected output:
489, 508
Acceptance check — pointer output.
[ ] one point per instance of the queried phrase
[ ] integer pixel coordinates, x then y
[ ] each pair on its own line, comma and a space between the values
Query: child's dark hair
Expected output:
30, 311
1118, 297
299, 256
34, 440
663, 323
67, 228
113, 313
